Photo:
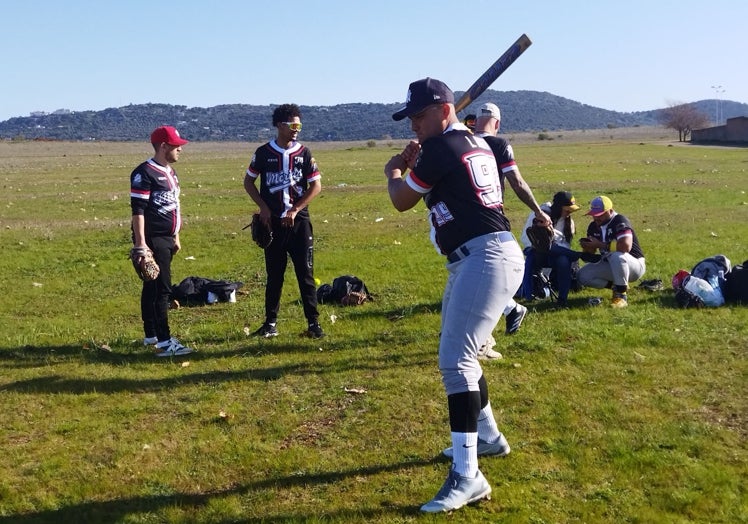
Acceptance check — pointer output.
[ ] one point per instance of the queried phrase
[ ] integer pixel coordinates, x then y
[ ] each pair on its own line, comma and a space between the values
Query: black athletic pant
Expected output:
154, 299
298, 243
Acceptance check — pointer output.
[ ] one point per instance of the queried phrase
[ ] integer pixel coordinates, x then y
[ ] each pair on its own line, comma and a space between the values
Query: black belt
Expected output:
458, 254
462, 251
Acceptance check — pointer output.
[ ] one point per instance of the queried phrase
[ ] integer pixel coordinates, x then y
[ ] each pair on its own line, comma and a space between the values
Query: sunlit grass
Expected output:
636, 415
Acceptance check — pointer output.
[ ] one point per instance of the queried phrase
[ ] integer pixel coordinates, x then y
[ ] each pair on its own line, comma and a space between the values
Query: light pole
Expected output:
717, 116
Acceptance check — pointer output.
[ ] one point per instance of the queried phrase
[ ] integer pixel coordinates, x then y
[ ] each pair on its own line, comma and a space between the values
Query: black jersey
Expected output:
459, 178
504, 154
284, 175
154, 193
617, 227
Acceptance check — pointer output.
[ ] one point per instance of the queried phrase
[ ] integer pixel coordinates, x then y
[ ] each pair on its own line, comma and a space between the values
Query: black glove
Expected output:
261, 234
541, 237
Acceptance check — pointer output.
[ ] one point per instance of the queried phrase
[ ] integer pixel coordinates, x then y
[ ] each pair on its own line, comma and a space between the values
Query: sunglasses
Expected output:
293, 126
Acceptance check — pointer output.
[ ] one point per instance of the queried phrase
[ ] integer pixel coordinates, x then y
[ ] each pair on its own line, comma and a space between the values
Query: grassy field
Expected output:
635, 415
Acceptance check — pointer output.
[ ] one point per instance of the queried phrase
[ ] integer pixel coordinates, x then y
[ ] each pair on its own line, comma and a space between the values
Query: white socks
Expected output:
487, 428
510, 307
465, 454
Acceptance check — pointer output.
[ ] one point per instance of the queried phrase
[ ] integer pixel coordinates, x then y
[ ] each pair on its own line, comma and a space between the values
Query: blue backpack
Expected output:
713, 269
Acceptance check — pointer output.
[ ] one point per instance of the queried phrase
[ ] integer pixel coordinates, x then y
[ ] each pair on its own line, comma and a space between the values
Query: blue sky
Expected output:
624, 56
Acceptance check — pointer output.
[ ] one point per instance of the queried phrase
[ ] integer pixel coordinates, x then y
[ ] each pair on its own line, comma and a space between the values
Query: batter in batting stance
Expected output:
457, 176
156, 221
289, 180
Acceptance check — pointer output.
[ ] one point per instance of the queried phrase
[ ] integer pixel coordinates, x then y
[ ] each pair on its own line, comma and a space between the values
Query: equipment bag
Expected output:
713, 269
196, 290
347, 290
542, 287
735, 288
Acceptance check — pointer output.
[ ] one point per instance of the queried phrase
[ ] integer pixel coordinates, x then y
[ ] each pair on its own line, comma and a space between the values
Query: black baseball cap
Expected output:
423, 93
565, 199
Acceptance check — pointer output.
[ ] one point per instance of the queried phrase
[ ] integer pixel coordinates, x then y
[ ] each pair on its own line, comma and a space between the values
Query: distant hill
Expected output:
522, 111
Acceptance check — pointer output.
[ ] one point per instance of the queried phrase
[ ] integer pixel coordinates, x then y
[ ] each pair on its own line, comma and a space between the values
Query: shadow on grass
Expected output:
395, 314
658, 298
118, 510
60, 384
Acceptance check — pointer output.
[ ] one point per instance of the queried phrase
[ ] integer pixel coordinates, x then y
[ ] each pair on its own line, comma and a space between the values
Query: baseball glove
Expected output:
145, 265
541, 237
353, 298
261, 234
651, 285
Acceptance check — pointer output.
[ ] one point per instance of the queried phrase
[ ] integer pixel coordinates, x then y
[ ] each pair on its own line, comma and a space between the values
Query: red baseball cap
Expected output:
168, 135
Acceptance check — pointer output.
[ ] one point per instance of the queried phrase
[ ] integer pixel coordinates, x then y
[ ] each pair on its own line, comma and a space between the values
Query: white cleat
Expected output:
458, 491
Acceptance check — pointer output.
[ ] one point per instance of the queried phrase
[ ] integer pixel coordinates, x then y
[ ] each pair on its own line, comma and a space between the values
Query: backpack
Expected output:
541, 287
195, 290
709, 295
712, 269
735, 287
347, 290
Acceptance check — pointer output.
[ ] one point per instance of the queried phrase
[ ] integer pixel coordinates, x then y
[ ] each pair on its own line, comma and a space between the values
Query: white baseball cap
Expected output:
489, 109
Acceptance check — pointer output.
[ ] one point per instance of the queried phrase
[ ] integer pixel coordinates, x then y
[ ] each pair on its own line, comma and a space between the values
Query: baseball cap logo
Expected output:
423, 93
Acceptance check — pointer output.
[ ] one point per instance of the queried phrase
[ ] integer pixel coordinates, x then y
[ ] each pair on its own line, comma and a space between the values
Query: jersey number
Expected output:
485, 178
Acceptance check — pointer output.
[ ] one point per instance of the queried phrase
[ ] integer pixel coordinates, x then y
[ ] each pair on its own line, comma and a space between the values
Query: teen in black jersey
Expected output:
289, 180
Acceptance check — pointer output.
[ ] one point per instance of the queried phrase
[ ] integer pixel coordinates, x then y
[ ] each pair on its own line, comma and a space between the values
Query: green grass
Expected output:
636, 416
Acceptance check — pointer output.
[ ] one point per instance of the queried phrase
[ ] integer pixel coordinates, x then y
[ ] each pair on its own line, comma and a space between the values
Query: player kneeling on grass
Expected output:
484, 262
622, 258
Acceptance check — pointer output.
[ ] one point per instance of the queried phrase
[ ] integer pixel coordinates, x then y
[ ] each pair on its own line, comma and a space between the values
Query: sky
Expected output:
623, 56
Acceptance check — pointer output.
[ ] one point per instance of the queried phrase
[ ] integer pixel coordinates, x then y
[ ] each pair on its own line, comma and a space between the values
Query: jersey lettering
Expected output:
440, 214
485, 178
471, 140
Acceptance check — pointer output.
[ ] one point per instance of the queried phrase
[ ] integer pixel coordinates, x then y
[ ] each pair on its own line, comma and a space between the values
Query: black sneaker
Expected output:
266, 330
315, 330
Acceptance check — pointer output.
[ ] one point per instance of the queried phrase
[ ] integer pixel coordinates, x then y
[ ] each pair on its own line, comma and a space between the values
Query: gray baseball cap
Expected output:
489, 109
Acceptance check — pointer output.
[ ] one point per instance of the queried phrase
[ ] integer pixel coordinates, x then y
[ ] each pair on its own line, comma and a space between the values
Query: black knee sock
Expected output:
464, 409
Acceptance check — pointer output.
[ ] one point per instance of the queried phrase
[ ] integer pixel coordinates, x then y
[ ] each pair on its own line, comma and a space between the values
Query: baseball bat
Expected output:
493, 72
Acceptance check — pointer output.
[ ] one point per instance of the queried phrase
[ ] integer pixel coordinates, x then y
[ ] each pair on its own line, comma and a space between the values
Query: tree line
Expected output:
522, 111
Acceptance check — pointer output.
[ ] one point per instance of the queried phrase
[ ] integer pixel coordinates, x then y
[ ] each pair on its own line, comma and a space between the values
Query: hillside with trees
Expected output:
522, 111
